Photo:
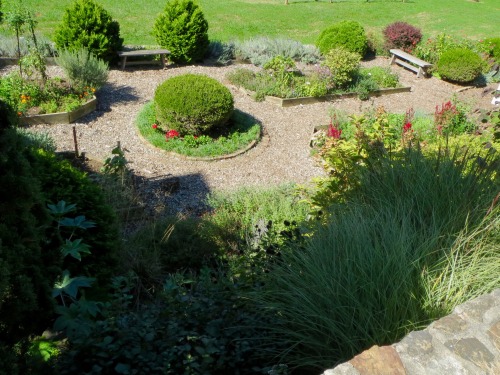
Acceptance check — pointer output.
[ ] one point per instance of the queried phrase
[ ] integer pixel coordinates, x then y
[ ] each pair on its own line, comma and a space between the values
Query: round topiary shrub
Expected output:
192, 104
401, 35
459, 65
87, 24
183, 30
348, 34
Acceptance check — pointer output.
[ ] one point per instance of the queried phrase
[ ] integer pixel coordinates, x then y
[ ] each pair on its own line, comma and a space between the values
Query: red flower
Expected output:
334, 132
171, 134
154, 126
407, 127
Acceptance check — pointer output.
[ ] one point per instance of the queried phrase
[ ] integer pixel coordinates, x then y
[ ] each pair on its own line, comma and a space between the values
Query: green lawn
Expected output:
301, 19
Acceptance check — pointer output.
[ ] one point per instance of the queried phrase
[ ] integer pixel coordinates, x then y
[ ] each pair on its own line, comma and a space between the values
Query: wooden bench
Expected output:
405, 59
143, 52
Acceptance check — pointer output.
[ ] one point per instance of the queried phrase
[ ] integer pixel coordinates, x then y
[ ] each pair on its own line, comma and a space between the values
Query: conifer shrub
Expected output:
402, 35
87, 24
459, 65
192, 104
183, 30
348, 34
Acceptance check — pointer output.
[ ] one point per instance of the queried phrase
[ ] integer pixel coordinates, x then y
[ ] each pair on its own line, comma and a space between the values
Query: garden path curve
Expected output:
284, 158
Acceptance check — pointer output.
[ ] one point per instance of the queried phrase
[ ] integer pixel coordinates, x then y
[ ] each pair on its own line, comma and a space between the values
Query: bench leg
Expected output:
162, 59
124, 61
393, 58
420, 73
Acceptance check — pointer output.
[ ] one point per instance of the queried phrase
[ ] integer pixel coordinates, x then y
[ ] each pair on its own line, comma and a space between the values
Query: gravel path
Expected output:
284, 158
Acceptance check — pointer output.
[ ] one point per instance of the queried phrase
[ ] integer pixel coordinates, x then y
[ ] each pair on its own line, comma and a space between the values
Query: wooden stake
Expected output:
75, 142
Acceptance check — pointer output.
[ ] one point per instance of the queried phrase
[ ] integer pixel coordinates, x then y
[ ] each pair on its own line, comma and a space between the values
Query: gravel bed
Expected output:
285, 157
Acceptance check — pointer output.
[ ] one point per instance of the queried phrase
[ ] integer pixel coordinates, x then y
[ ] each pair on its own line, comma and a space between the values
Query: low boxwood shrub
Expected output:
183, 30
87, 24
348, 34
193, 104
459, 65
343, 65
402, 35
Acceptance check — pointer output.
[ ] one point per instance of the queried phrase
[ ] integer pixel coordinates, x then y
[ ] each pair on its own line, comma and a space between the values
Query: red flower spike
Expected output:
407, 127
334, 132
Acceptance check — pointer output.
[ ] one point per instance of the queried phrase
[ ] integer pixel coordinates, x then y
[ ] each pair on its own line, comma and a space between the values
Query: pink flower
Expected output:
154, 126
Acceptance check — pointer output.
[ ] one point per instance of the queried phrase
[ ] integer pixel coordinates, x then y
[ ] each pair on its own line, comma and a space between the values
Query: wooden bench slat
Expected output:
413, 59
401, 57
143, 52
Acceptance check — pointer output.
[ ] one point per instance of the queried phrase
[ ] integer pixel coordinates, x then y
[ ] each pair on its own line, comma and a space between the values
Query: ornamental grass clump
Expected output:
383, 264
192, 104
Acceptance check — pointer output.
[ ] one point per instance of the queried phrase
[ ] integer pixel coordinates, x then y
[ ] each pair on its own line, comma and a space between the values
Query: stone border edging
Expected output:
264, 138
61, 117
465, 342
290, 102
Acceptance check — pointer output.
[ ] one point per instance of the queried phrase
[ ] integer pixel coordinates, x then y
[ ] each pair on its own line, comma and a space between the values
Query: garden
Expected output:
271, 240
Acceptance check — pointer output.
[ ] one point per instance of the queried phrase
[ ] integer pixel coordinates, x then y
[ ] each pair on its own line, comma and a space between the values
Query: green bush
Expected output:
343, 65
193, 104
383, 77
87, 24
60, 181
183, 30
459, 65
82, 68
29, 262
348, 34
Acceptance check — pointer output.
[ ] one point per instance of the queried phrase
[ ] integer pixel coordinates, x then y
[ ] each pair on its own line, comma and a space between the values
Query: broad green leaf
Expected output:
71, 285
77, 222
75, 248
61, 208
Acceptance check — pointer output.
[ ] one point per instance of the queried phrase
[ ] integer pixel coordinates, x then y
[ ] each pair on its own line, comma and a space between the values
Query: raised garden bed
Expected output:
5, 61
61, 117
290, 102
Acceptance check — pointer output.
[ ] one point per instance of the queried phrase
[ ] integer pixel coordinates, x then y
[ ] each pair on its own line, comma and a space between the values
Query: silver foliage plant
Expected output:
82, 68
262, 49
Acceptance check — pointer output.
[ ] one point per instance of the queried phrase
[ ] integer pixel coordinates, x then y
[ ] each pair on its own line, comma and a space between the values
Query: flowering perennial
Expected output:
171, 134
